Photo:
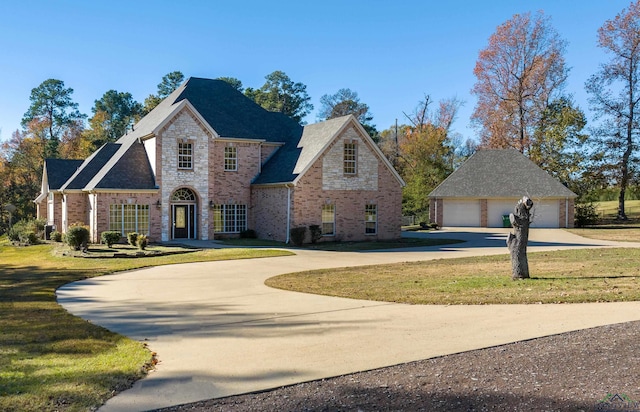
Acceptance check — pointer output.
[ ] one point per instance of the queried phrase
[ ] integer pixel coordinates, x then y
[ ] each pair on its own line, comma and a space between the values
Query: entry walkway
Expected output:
219, 331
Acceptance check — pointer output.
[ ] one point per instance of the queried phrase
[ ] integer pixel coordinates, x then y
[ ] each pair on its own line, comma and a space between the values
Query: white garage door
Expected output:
498, 208
461, 213
546, 213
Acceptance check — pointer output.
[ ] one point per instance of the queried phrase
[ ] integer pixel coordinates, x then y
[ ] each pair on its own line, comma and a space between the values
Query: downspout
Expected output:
288, 212
566, 212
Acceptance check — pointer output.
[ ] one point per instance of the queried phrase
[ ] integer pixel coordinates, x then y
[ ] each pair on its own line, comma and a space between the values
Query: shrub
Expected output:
142, 242
132, 238
56, 236
585, 214
110, 237
77, 237
316, 233
297, 235
25, 232
248, 234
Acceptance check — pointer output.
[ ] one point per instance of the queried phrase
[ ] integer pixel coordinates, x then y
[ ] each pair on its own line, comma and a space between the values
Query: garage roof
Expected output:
500, 173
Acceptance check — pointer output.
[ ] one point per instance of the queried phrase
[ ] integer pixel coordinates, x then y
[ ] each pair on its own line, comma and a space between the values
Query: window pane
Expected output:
115, 218
371, 219
185, 155
350, 158
328, 220
129, 218
218, 221
143, 219
230, 158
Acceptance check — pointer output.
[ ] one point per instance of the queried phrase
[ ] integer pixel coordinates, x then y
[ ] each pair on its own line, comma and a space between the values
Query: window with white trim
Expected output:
350, 158
185, 155
125, 218
229, 218
371, 219
328, 220
230, 158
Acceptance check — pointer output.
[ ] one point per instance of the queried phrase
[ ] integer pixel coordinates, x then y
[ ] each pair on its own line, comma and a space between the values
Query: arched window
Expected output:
183, 195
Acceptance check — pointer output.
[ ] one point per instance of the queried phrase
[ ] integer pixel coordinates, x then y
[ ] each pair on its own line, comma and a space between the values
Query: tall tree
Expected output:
426, 153
281, 94
558, 146
518, 74
236, 83
614, 95
116, 111
170, 82
344, 102
51, 105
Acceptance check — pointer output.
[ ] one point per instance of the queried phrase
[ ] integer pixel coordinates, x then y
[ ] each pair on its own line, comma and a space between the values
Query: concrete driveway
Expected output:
219, 331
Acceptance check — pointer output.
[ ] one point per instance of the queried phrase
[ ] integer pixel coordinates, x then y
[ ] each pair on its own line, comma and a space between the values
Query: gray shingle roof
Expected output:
500, 173
59, 171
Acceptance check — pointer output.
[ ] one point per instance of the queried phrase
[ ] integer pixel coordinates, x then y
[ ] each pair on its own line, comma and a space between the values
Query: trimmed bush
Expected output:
142, 242
316, 233
132, 238
297, 235
77, 237
110, 237
248, 234
56, 236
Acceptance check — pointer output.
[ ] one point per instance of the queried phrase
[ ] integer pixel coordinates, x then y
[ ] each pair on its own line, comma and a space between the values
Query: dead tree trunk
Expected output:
517, 243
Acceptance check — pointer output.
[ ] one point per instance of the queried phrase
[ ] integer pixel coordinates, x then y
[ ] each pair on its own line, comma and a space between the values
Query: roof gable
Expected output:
131, 170
500, 173
58, 171
91, 166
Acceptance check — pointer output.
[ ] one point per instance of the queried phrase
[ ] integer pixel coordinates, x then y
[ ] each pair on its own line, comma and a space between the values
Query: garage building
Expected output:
489, 184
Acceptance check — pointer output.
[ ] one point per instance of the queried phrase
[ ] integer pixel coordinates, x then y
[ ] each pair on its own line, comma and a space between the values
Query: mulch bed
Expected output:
594, 369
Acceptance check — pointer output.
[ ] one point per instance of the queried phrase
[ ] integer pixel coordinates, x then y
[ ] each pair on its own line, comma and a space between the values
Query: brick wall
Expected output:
269, 212
374, 184
77, 208
566, 205
104, 200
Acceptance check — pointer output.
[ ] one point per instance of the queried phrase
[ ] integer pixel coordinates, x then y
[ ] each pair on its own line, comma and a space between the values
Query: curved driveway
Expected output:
218, 331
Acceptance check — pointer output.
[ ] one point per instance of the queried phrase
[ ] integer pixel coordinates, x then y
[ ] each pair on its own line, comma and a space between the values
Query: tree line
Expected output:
521, 77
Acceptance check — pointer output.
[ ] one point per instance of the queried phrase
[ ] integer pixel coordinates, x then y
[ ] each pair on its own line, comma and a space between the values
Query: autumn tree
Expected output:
520, 71
345, 102
52, 106
281, 94
614, 93
426, 153
170, 82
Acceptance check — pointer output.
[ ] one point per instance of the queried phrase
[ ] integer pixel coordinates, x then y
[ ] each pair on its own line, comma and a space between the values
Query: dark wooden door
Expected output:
183, 221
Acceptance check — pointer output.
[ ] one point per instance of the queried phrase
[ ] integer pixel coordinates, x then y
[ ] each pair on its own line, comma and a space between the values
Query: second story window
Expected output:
185, 156
350, 157
230, 158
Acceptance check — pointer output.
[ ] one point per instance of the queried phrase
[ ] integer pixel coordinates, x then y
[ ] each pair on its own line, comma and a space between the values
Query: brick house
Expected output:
208, 162
489, 184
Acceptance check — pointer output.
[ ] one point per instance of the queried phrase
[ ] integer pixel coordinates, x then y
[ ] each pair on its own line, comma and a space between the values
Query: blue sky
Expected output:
391, 52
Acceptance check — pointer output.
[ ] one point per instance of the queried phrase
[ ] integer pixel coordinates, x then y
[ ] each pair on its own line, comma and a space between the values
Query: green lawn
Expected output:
53, 361
602, 275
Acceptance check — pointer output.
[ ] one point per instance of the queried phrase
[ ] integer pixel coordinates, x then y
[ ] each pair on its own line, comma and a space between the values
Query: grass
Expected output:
611, 229
603, 275
53, 361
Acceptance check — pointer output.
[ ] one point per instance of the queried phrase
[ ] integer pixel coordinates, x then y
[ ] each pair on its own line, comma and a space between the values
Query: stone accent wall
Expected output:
333, 177
184, 127
269, 212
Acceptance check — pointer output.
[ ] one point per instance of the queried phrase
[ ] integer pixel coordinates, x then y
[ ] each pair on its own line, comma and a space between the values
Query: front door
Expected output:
184, 221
